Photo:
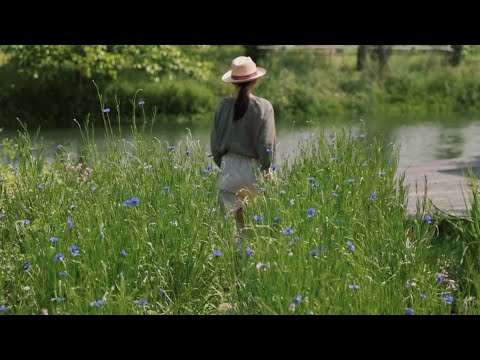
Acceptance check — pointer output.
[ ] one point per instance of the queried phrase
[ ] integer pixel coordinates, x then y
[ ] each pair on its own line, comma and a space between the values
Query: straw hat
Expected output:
243, 69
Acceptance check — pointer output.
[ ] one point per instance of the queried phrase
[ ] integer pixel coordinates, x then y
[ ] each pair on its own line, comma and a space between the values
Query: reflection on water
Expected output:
418, 142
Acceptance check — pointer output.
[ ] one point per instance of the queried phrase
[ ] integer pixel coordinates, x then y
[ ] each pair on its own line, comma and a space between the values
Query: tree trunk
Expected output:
456, 55
361, 57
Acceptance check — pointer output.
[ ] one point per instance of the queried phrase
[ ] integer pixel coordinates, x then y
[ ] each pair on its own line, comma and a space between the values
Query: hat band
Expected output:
244, 77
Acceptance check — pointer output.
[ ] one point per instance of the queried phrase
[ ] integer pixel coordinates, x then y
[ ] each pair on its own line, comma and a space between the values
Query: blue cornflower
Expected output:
74, 250
59, 299
360, 136
25, 221
311, 178
166, 188
69, 223
58, 147
297, 299
448, 299
306, 137
283, 182
354, 287
123, 253
141, 102
40, 186
381, 173
311, 212
373, 196
351, 181
62, 274
428, 219
439, 278
408, 311
315, 252
161, 292
207, 169
258, 218
58, 257
262, 266
288, 231
334, 159
248, 251
276, 219
423, 296
217, 253
273, 166
54, 239
261, 190
134, 201
27, 265
268, 150
97, 303
334, 194
141, 302
350, 246
315, 185
188, 152
106, 110
4, 308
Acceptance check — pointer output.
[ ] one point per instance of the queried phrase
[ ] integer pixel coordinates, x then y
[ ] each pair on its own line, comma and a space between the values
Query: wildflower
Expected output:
4, 308
54, 239
58, 257
207, 169
161, 292
311, 212
171, 147
350, 246
123, 253
213, 211
217, 253
258, 218
134, 201
282, 192
141, 102
361, 136
147, 166
248, 251
97, 303
411, 284
381, 173
408, 311
141, 302
311, 178
261, 190
351, 181
448, 299
306, 137
166, 188
439, 278
315, 185
40, 186
334, 194
58, 147
2, 216
262, 266
297, 300
62, 274
373, 196
74, 250
276, 219
69, 223
27, 265
423, 296
428, 219
292, 202
288, 231
188, 152
273, 166
106, 110
59, 299
333, 159
314, 252
25, 222
354, 287
268, 150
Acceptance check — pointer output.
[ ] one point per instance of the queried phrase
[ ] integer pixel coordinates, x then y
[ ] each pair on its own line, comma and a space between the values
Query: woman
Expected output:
243, 138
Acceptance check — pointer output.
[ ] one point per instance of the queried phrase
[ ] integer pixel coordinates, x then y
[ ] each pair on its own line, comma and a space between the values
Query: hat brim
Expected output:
227, 77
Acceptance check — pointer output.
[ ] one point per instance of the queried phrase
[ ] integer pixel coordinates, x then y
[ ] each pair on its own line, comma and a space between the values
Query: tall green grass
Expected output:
171, 236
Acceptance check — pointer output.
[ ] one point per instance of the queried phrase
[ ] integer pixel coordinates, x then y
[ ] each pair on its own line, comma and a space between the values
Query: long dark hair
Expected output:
243, 99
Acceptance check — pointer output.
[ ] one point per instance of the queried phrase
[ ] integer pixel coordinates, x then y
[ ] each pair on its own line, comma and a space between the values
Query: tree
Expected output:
457, 54
361, 57
254, 52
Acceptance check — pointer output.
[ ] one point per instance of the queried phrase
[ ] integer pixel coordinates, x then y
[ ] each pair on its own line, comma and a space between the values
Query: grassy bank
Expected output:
137, 229
301, 85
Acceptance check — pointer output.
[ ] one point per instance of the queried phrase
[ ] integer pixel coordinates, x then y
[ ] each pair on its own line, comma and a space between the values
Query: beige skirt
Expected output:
237, 181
